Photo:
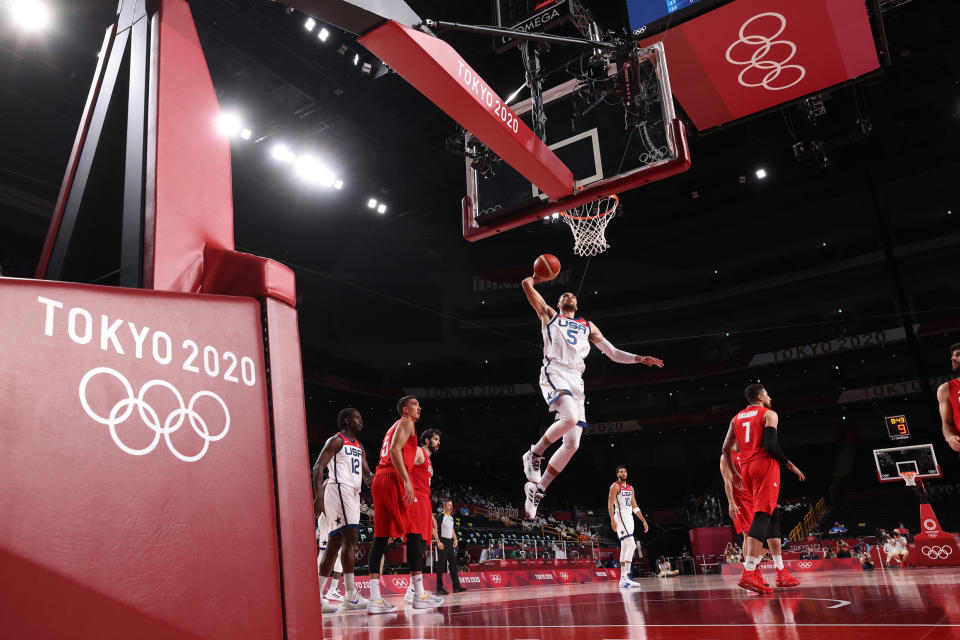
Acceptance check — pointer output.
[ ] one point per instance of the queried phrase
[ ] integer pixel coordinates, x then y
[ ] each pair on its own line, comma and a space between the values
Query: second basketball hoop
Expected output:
588, 222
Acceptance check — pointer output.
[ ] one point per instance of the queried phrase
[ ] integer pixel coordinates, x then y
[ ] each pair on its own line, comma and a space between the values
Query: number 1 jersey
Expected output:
748, 428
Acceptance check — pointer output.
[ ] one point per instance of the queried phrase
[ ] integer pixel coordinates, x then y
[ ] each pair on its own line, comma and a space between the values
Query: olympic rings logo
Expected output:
805, 565
496, 579
930, 524
936, 552
171, 424
400, 583
765, 44
564, 575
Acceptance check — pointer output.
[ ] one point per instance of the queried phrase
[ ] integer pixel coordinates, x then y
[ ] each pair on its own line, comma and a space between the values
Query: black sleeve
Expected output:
772, 446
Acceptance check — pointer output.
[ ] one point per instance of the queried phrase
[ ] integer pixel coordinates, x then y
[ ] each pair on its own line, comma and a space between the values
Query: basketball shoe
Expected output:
534, 495
784, 579
329, 608
627, 583
352, 605
753, 581
380, 606
427, 601
531, 466
334, 595
409, 595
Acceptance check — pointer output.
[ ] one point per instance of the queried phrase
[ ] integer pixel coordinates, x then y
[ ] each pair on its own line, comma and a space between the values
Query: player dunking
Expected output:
622, 504
754, 431
566, 342
338, 501
393, 497
948, 397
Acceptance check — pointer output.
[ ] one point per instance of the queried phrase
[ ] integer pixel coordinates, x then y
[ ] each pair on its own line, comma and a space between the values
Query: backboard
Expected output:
895, 460
607, 150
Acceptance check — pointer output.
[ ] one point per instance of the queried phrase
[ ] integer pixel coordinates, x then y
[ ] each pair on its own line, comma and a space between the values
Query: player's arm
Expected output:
404, 430
638, 513
726, 472
950, 433
421, 458
330, 447
611, 500
770, 443
623, 357
367, 474
728, 443
544, 311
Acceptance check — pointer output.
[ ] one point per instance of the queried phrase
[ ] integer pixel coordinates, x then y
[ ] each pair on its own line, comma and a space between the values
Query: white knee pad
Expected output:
571, 442
628, 547
566, 409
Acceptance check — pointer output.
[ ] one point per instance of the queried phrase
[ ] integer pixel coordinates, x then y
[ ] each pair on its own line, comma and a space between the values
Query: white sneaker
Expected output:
533, 496
627, 583
531, 466
359, 603
334, 595
408, 596
329, 608
380, 606
427, 601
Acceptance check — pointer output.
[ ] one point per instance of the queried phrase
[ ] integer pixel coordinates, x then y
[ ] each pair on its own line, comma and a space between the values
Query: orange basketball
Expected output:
546, 266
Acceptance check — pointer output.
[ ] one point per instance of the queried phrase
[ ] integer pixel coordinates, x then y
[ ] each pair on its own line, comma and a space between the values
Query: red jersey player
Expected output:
948, 396
421, 511
393, 497
754, 431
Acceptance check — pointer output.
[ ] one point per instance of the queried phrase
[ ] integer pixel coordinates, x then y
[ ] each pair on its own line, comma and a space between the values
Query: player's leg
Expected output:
554, 396
421, 599
628, 547
784, 578
386, 511
350, 504
561, 457
566, 429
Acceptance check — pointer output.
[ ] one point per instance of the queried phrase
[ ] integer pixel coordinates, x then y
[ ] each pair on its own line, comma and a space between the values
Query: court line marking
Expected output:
932, 625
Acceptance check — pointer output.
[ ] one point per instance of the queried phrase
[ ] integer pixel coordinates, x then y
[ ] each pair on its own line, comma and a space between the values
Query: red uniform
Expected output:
743, 500
761, 473
954, 389
390, 512
421, 512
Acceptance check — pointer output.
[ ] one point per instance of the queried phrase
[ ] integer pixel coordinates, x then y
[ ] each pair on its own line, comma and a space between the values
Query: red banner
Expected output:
750, 55
836, 564
933, 547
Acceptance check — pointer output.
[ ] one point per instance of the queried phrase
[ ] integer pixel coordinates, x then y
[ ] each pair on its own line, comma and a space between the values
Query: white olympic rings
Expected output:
937, 552
124, 407
400, 583
805, 564
564, 575
773, 68
495, 578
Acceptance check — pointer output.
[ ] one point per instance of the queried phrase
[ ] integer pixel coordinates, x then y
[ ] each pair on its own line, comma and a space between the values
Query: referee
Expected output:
447, 549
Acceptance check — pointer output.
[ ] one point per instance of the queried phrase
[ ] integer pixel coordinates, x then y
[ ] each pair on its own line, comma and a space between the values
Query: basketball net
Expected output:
910, 478
588, 222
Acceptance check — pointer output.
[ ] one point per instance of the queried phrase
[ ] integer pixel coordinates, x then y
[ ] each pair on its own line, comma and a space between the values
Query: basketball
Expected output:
546, 266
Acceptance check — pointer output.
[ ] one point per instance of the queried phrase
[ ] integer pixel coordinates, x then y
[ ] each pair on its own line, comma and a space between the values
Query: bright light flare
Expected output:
761, 173
382, 208
30, 15
323, 35
309, 24
372, 203
282, 153
229, 124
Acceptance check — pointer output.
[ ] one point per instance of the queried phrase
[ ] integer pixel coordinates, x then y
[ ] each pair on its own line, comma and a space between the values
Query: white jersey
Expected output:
623, 503
566, 342
345, 467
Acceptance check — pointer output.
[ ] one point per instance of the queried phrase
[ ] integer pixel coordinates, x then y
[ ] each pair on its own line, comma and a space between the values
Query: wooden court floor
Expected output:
911, 604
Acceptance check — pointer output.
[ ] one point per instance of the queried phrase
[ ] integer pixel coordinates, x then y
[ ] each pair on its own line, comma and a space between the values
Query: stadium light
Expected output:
30, 15
228, 124
282, 153
245, 133
310, 24
323, 35
338, 184
382, 208
372, 203
761, 173
356, 59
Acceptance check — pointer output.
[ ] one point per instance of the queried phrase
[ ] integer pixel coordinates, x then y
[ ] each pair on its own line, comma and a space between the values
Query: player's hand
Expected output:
737, 481
613, 525
537, 279
317, 507
455, 543
650, 361
408, 495
793, 469
440, 546
734, 511
646, 527
954, 443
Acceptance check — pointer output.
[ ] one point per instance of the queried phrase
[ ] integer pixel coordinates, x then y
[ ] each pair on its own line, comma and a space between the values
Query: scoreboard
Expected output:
897, 427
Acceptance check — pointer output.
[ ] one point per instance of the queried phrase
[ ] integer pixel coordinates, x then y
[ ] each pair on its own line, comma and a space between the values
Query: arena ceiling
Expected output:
711, 249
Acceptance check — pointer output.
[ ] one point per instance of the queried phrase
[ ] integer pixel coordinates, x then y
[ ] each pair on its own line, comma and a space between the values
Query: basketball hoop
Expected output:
588, 222
910, 477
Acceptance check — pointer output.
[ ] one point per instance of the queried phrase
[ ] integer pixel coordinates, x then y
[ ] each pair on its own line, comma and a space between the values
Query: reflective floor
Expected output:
916, 604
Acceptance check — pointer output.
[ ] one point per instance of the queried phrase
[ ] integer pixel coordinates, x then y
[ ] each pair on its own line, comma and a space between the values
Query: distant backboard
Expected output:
593, 139
894, 461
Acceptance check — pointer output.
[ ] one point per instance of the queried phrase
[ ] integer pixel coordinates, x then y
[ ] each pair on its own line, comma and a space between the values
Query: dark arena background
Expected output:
263, 206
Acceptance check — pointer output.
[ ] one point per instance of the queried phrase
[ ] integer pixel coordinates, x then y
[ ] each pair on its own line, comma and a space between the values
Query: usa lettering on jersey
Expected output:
566, 342
346, 467
625, 498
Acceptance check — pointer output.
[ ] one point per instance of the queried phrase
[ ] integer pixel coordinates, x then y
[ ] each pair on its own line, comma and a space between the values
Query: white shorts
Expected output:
556, 381
624, 524
341, 506
323, 533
